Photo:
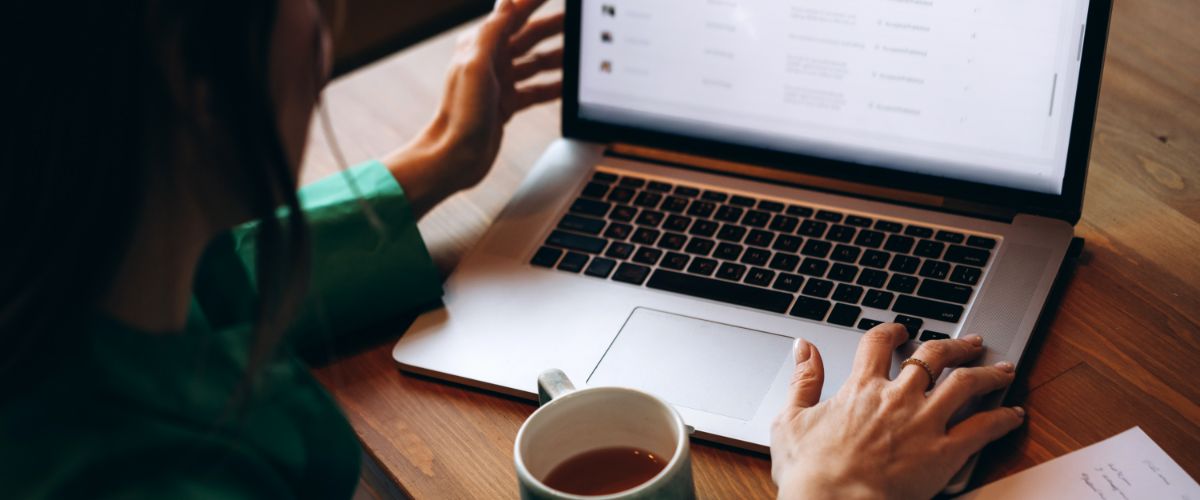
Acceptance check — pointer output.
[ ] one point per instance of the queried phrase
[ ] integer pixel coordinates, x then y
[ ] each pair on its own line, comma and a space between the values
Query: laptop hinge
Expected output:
809, 181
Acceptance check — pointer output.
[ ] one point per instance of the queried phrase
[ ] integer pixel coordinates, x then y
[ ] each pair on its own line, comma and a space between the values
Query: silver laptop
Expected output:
736, 174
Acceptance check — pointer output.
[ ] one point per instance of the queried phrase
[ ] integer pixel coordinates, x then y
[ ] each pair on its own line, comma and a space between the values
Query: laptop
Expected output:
733, 175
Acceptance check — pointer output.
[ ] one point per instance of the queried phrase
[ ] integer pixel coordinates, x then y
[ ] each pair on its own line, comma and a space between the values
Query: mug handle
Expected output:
552, 384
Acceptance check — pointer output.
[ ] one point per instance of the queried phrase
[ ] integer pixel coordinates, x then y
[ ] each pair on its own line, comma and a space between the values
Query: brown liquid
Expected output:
605, 471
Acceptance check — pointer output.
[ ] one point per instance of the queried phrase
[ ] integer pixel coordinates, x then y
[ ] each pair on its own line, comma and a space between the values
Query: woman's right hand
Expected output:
881, 438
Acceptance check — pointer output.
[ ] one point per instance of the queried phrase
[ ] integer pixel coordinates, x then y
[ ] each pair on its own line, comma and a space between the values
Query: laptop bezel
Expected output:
1067, 206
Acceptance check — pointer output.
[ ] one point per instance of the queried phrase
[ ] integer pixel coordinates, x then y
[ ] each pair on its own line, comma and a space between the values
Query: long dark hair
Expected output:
104, 95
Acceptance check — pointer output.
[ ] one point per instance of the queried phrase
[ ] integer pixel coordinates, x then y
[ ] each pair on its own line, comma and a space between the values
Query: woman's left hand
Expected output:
487, 85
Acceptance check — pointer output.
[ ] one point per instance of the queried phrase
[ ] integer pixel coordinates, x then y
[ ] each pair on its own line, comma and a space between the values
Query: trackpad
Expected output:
690, 362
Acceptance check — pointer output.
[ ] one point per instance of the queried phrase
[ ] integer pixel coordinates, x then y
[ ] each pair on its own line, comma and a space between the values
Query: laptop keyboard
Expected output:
816, 264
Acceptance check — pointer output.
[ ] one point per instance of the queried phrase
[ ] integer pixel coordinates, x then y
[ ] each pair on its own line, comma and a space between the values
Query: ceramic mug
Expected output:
571, 422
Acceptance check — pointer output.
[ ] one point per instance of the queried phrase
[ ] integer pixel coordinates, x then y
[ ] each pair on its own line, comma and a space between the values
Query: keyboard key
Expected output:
676, 261
784, 223
981, 242
814, 267
702, 209
594, 208
889, 226
770, 206
661, 187
721, 291
966, 255
845, 253
916, 306
714, 196
756, 257
950, 237
731, 233
799, 211
600, 267
645, 236
875, 258
572, 241
648, 199
810, 308
844, 315
843, 272
760, 238
620, 251
829, 216
788, 282
902, 283
702, 266
546, 257
929, 249
672, 241
604, 177
872, 278
869, 239
689, 192
899, 244
729, 214
867, 324
633, 182
929, 335
677, 223
759, 276
631, 273
918, 231
623, 213
573, 262
966, 275
842, 234
618, 231
742, 201
785, 262
855, 220
756, 218
705, 228
913, 325
818, 288
595, 190
848, 293
905, 264
732, 272
948, 292
935, 269
621, 195
728, 251
879, 299
789, 244
817, 248
581, 224
700, 246
674, 204
647, 256
650, 218
812, 228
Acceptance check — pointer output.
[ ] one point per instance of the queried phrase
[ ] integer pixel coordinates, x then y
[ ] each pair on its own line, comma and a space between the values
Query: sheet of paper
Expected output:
1126, 466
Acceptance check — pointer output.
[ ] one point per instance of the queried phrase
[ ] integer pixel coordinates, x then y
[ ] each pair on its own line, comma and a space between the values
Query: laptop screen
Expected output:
972, 90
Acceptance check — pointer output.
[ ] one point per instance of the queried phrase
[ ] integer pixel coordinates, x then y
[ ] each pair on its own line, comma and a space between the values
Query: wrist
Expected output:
420, 169
818, 486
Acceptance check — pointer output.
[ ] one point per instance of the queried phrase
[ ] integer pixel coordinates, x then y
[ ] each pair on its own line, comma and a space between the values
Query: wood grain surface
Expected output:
1122, 350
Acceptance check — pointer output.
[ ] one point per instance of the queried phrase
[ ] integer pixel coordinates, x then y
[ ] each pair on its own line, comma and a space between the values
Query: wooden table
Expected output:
1123, 349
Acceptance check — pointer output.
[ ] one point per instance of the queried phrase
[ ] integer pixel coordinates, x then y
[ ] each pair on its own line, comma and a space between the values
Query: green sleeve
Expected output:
361, 274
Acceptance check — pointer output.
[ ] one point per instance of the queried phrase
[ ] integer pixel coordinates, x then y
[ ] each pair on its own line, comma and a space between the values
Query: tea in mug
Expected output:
605, 471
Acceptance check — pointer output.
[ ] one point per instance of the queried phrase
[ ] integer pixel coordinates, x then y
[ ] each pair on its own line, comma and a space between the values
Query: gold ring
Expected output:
924, 366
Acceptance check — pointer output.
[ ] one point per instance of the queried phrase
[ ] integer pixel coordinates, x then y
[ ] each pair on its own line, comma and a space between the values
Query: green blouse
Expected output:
129, 414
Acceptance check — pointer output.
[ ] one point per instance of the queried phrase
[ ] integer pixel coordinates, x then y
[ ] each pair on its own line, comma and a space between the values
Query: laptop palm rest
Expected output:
694, 363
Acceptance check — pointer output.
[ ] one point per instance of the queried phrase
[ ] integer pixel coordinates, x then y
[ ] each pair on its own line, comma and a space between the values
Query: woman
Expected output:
154, 339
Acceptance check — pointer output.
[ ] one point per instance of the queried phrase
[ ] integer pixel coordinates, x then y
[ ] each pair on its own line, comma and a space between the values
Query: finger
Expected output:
938, 355
972, 434
524, 9
808, 376
874, 356
498, 26
537, 63
535, 32
532, 95
965, 384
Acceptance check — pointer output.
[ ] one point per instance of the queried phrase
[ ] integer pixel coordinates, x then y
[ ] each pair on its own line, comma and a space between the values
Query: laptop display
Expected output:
976, 91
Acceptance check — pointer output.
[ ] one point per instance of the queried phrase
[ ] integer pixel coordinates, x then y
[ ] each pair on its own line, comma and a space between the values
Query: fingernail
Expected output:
974, 339
1006, 366
1020, 411
802, 349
